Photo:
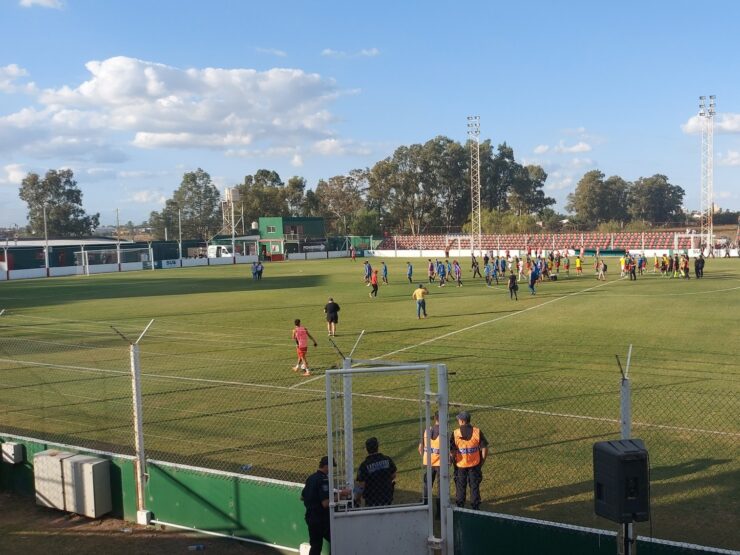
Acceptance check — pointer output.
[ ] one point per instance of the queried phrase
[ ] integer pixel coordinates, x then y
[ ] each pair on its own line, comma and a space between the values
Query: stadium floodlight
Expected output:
475, 217
706, 115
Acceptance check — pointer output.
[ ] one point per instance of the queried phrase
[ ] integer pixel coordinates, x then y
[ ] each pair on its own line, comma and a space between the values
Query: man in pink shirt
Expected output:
301, 336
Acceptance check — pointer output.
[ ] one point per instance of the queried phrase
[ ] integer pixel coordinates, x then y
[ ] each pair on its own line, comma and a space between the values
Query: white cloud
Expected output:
338, 147
574, 131
364, 53
153, 105
12, 174
723, 123
56, 4
580, 146
725, 195
731, 158
9, 75
272, 52
559, 183
147, 196
296, 161
541, 149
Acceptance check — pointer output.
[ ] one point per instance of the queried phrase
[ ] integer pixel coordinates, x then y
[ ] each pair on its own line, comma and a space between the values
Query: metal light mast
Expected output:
475, 226
707, 169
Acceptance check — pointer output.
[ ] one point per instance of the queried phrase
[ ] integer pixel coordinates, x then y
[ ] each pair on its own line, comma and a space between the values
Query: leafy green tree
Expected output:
654, 199
58, 192
197, 202
597, 200
526, 193
295, 195
340, 197
445, 164
263, 194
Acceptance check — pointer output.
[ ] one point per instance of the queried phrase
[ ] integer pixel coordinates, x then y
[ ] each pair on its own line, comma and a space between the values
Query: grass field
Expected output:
538, 374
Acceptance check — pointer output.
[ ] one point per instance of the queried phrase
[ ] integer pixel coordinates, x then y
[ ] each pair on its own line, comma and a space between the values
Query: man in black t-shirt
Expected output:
315, 497
332, 317
375, 477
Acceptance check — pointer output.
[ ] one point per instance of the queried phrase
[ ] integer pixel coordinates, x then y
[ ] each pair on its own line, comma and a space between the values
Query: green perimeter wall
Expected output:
478, 533
229, 504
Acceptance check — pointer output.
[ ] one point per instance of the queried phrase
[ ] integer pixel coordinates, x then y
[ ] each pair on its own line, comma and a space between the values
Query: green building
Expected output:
281, 235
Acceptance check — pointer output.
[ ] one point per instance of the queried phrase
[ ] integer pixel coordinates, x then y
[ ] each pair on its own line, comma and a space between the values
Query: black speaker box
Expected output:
621, 486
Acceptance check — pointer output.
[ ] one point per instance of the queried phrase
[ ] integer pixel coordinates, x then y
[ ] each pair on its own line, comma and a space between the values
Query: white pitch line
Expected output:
468, 328
446, 335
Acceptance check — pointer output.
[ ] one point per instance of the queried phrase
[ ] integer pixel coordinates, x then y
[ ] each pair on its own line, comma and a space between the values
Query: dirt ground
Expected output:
27, 529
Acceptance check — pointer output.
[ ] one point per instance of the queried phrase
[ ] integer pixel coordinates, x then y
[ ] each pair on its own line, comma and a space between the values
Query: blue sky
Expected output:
131, 95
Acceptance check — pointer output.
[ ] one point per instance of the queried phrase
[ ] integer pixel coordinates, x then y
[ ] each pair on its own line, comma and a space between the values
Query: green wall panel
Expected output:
485, 533
266, 512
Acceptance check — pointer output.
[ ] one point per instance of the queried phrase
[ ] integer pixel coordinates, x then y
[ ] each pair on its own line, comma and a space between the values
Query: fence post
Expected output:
142, 515
348, 424
444, 461
627, 535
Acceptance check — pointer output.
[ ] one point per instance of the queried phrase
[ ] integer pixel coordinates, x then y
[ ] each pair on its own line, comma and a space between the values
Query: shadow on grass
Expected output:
27, 294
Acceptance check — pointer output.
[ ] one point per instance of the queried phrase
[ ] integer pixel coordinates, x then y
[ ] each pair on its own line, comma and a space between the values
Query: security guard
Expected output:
468, 449
376, 477
315, 497
430, 442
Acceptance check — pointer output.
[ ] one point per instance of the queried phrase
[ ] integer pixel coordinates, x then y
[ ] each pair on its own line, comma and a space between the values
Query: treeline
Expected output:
420, 188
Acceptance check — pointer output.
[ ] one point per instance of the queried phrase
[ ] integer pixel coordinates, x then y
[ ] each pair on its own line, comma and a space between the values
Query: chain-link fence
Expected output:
214, 402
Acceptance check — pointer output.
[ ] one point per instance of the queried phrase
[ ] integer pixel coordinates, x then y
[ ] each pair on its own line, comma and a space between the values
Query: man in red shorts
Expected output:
301, 336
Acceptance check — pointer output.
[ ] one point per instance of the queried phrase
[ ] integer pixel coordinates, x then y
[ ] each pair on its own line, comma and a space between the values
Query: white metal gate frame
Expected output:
340, 509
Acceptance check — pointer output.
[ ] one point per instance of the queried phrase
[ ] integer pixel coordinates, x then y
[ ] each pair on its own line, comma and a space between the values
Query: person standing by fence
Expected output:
430, 442
468, 450
315, 497
375, 477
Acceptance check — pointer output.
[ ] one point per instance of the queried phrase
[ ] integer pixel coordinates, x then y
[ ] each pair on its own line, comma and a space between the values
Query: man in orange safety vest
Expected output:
468, 450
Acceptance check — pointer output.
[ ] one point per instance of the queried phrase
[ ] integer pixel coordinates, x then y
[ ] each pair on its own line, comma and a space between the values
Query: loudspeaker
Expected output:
621, 486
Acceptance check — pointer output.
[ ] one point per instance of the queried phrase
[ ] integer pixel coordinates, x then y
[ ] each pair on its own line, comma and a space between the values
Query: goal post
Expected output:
123, 259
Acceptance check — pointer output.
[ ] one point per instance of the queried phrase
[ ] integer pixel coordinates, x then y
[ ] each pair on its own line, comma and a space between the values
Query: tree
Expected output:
263, 194
58, 192
339, 198
197, 203
445, 165
597, 200
654, 199
526, 193
294, 195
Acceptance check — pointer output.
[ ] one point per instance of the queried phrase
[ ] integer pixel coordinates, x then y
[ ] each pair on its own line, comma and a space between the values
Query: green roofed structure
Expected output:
281, 235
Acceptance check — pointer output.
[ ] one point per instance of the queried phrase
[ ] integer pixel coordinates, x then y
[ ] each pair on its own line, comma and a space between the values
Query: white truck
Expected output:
218, 251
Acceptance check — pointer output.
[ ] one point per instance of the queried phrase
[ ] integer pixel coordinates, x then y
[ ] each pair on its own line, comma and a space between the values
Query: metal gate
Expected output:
395, 404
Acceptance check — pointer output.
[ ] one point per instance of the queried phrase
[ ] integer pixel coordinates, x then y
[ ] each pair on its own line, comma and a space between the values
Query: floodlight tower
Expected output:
706, 115
230, 220
475, 225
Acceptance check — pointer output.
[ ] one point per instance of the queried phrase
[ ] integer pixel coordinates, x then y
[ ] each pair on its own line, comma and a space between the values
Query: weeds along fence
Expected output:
239, 408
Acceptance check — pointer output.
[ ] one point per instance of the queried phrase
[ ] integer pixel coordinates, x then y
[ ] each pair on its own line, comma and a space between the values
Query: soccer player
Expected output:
487, 274
579, 269
409, 271
301, 336
368, 272
513, 286
431, 270
458, 273
374, 284
384, 270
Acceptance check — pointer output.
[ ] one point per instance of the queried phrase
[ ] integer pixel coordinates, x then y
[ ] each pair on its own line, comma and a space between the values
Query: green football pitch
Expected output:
539, 376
